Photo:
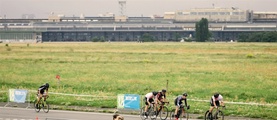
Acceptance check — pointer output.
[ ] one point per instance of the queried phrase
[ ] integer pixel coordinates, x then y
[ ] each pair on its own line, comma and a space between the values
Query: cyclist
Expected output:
149, 98
160, 97
179, 104
42, 92
216, 101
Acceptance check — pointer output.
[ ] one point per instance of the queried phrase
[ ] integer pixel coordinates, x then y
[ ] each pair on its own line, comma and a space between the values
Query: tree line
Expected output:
258, 37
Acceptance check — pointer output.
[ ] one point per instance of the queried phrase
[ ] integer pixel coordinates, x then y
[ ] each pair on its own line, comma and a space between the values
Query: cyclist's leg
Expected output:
146, 107
211, 108
44, 96
39, 96
176, 110
176, 107
184, 112
212, 105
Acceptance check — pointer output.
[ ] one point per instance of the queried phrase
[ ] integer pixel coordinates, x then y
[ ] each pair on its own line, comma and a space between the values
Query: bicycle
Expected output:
149, 113
41, 104
216, 115
162, 110
180, 113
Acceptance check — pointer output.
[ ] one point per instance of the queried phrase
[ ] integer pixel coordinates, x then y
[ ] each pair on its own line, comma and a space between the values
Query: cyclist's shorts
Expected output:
216, 102
42, 92
150, 100
176, 104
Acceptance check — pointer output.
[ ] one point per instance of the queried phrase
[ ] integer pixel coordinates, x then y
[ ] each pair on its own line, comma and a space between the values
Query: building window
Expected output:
201, 13
214, 13
193, 13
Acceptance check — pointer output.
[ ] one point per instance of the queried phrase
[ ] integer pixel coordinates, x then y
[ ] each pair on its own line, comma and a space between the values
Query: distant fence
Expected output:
114, 97
239, 103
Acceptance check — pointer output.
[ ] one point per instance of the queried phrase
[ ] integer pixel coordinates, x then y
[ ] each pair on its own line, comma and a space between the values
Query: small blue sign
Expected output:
20, 96
131, 101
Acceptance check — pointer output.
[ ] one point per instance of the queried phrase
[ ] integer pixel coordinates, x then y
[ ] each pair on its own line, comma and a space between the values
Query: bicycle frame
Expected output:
215, 115
160, 107
218, 111
41, 104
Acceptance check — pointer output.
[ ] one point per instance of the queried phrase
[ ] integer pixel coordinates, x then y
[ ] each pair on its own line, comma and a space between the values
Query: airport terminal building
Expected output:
224, 23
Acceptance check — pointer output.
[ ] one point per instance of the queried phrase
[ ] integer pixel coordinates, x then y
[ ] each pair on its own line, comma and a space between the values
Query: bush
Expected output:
9, 49
97, 39
258, 37
250, 56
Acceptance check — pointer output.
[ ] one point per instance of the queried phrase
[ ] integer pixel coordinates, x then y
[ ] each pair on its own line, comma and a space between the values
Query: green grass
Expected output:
242, 72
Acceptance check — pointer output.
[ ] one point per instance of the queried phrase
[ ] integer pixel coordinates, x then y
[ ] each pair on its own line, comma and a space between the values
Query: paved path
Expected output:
8, 113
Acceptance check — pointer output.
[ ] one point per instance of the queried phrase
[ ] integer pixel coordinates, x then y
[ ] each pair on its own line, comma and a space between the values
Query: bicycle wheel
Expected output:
207, 116
152, 114
219, 115
141, 114
37, 109
186, 115
171, 115
45, 107
163, 113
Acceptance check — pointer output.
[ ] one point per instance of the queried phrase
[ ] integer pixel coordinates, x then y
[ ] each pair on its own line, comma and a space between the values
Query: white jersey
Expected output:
149, 96
220, 98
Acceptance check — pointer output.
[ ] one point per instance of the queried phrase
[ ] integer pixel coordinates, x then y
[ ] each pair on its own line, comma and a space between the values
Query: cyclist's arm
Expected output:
222, 103
186, 102
214, 103
156, 99
164, 98
46, 92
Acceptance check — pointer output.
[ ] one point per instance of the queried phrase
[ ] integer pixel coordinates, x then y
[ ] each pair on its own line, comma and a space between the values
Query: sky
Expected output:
43, 8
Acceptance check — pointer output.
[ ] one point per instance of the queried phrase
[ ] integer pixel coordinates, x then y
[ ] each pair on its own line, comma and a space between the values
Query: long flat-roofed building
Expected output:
224, 23
212, 14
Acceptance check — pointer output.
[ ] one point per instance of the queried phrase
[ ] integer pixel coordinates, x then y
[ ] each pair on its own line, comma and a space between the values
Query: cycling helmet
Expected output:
185, 94
155, 93
47, 85
163, 90
216, 95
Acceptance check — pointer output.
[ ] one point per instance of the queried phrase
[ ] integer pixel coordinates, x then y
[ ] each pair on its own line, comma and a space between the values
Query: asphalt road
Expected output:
8, 113
11, 113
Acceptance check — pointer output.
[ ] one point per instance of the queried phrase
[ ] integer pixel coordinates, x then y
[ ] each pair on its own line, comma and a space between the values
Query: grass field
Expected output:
241, 72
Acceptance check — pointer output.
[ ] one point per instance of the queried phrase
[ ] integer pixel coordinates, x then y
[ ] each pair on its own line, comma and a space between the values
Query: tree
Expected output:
146, 37
202, 30
177, 37
259, 37
98, 39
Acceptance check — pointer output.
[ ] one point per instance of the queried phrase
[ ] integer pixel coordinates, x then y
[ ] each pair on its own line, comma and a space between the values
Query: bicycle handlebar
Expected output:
223, 107
47, 96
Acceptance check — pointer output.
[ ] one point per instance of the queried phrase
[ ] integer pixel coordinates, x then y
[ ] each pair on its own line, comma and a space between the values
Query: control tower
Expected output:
122, 7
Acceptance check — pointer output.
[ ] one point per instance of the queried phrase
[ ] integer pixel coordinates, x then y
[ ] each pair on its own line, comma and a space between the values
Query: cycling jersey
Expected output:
219, 98
42, 89
149, 96
179, 99
159, 96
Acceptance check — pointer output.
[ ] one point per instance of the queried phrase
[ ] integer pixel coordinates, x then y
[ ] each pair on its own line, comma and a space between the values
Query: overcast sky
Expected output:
42, 8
